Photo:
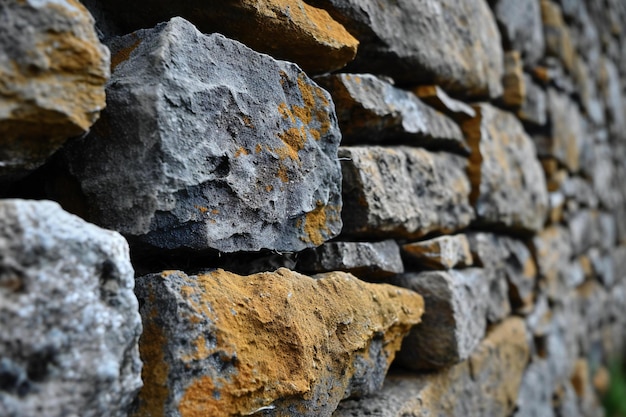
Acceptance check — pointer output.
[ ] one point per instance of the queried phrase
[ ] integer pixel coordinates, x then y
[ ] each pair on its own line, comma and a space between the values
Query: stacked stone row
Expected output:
310, 192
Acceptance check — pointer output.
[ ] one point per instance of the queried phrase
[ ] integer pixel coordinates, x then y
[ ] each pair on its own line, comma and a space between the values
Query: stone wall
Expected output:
322, 208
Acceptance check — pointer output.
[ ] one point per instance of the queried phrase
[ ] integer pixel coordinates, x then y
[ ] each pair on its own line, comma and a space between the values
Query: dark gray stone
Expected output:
454, 320
403, 192
452, 43
521, 27
444, 252
208, 144
611, 91
366, 260
70, 321
437, 98
372, 111
508, 184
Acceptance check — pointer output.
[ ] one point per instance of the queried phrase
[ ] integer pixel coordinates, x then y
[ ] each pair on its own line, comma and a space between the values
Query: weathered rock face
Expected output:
371, 110
425, 42
454, 321
521, 27
508, 185
437, 98
69, 317
367, 260
52, 71
444, 252
508, 260
221, 344
514, 94
229, 156
403, 192
534, 107
553, 252
566, 140
316, 42
557, 35
485, 385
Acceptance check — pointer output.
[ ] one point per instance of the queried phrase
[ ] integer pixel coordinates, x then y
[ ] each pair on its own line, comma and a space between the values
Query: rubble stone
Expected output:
70, 322
191, 154
221, 344
444, 252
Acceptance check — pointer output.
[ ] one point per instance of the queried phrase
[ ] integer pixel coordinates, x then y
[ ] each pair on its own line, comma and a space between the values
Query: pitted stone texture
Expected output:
508, 185
510, 260
485, 385
221, 344
444, 252
565, 142
208, 144
70, 322
521, 27
454, 321
285, 29
452, 43
403, 192
52, 75
371, 110
370, 261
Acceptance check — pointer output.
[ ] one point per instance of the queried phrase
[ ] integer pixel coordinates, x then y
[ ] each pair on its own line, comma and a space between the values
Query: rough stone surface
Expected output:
567, 132
521, 27
367, 260
584, 230
485, 385
444, 252
403, 192
52, 75
553, 252
454, 321
315, 41
70, 325
371, 110
510, 260
508, 185
437, 98
452, 43
209, 152
534, 109
222, 344
611, 90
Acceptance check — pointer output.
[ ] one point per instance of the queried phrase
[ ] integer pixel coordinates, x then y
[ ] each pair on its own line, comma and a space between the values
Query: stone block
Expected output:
70, 321
53, 71
370, 261
521, 27
221, 344
428, 42
206, 144
403, 192
508, 185
292, 30
444, 252
454, 320
372, 111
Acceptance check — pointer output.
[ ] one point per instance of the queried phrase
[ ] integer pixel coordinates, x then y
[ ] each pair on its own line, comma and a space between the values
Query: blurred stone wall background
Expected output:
311, 208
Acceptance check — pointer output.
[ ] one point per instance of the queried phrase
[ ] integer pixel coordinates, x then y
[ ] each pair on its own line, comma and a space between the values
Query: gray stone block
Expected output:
206, 144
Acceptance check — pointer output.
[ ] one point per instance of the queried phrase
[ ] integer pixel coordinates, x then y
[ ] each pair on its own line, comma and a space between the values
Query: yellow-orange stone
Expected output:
290, 334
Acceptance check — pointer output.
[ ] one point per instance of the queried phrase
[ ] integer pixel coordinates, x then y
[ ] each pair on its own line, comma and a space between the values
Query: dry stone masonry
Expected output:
333, 208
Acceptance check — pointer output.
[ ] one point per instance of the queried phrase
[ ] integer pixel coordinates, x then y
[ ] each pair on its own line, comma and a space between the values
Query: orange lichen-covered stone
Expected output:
231, 345
52, 75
